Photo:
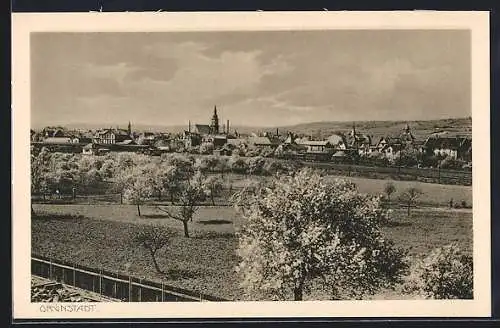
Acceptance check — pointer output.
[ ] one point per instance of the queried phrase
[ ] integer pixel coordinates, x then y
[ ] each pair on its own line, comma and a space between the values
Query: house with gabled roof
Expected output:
259, 141
358, 142
202, 129
316, 146
111, 136
455, 147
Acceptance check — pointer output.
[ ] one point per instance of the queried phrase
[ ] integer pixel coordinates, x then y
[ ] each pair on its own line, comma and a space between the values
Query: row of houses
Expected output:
221, 140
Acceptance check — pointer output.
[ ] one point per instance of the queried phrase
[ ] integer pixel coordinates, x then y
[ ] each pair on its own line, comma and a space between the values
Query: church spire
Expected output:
129, 128
214, 124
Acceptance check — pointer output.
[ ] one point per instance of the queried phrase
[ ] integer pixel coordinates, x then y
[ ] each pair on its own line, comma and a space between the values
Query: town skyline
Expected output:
262, 79
179, 127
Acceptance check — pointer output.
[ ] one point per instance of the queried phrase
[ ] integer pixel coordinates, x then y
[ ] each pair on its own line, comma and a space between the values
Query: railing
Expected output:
433, 175
111, 284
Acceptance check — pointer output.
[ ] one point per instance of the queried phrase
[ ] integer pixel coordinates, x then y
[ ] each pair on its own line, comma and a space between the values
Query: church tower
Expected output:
407, 135
214, 124
354, 136
129, 129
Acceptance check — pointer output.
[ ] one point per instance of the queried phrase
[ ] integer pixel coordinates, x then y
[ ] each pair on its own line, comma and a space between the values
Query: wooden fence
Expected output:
431, 175
111, 284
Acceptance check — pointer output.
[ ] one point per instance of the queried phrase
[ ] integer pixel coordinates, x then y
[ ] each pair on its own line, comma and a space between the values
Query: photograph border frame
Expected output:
14, 128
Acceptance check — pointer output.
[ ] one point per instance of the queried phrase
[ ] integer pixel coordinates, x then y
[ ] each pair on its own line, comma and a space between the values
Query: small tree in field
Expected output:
301, 230
389, 189
191, 193
139, 189
39, 168
243, 198
213, 185
410, 197
153, 238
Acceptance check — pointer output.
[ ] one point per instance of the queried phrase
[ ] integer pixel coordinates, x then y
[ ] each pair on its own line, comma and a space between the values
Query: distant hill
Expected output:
377, 129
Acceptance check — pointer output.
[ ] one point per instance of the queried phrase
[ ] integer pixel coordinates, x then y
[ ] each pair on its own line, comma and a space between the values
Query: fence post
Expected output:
74, 276
140, 290
100, 281
114, 288
162, 291
50, 268
129, 288
439, 174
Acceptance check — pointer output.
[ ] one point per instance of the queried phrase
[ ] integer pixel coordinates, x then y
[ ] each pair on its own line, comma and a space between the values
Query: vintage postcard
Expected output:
237, 165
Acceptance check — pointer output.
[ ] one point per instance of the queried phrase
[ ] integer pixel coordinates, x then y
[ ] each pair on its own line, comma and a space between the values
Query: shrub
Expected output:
238, 165
446, 273
451, 163
206, 148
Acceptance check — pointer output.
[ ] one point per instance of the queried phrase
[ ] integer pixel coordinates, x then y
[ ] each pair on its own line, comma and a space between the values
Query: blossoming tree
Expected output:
303, 231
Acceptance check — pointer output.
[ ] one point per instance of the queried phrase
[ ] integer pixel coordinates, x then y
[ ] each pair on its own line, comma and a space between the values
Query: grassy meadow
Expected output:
99, 236
433, 194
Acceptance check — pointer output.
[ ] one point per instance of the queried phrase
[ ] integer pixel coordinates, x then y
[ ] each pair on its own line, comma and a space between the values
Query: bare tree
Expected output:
153, 237
213, 186
389, 189
410, 197
190, 195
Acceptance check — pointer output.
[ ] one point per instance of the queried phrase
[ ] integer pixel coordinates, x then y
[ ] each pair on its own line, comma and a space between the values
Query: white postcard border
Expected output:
23, 24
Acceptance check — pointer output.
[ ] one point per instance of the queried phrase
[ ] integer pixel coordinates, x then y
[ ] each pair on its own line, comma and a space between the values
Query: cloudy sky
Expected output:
254, 78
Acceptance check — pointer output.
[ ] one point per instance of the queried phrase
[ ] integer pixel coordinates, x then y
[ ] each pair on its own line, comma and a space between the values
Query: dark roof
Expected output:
448, 143
120, 132
236, 142
393, 140
57, 140
259, 140
203, 128
359, 139
313, 142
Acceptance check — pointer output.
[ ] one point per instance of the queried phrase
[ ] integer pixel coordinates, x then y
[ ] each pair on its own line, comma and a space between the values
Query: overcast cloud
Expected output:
254, 78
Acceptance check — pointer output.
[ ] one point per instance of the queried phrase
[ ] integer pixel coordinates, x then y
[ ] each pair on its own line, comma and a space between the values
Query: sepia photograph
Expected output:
255, 166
